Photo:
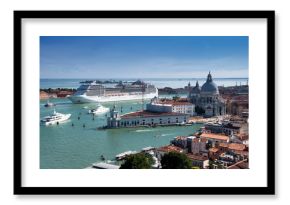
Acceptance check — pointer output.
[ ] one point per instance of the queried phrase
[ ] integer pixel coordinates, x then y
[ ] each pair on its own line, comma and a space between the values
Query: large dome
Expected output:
209, 86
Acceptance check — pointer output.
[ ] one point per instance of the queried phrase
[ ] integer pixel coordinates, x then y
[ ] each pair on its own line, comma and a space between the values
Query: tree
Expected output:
199, 110
175, 160
138, 161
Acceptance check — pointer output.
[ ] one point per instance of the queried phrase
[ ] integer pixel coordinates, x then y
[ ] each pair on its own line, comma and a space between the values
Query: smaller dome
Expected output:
196, 89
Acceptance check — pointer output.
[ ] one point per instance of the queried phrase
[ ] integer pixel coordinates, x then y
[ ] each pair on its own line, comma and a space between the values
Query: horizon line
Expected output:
90, 78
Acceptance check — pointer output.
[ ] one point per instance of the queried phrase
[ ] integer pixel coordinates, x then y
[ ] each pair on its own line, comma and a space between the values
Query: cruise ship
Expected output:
91, 91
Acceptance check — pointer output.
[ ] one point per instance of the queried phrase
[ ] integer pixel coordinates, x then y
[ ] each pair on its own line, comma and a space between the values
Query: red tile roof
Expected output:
238, 147
172, 102
223, 145
244, 153
214, 136
170, 148
213, 149
197, 157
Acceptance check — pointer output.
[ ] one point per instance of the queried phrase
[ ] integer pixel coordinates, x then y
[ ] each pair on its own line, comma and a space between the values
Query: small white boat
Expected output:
99, 110
55, 118
103, 165
147, 149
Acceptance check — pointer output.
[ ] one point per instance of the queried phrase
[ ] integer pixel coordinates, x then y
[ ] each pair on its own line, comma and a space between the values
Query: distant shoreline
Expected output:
175, 83
139, 78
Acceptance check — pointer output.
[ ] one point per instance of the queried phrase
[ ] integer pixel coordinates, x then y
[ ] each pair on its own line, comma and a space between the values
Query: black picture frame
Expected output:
18, 163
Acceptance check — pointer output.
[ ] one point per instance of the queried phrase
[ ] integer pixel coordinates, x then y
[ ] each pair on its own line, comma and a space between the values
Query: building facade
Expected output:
171, 106
207, 99
145, 118
225, 128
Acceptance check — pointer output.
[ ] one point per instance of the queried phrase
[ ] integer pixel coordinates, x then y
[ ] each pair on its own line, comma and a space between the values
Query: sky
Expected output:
143, 56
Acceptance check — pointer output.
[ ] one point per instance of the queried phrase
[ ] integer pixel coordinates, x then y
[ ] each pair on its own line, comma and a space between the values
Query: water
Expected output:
65, 147
158, 82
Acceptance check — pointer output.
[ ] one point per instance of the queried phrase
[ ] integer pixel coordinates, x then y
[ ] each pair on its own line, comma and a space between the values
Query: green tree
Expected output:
138, 161
174, 160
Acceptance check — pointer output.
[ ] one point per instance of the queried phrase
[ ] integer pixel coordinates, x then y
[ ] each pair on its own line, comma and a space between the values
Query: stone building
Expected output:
171, 106
145, 118
207, 99
197, 145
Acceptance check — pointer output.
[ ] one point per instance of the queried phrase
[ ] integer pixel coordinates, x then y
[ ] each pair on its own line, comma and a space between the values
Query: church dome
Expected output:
196, 89
209, 86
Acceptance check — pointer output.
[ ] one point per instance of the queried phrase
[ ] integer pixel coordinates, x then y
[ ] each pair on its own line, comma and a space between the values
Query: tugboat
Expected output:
55, 118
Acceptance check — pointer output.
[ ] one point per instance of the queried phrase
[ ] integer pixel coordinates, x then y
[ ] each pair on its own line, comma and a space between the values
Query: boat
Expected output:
103, 165
49, 104
99, 110
125, 154
147, 149
55, 118
93, 91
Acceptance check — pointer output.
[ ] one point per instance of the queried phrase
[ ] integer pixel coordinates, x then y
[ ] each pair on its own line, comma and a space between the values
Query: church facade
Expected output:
207, 99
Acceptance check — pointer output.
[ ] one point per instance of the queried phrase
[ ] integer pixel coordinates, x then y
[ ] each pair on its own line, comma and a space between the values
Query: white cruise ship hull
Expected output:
93, 99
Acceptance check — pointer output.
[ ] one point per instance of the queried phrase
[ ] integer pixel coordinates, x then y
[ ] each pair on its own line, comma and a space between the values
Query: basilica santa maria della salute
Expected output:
207, 99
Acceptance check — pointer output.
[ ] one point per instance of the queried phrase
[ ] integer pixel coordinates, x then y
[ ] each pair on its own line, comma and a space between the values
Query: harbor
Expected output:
92, 135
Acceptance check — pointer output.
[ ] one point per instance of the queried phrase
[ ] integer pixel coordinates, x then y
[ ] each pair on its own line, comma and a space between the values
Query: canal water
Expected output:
65, 146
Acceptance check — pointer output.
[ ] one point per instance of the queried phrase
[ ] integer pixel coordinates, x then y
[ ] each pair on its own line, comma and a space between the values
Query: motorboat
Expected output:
99, 110
55, 118
49, 104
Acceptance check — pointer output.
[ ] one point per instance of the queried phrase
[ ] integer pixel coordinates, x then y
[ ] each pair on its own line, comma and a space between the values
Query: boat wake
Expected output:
162, 135
143, 130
